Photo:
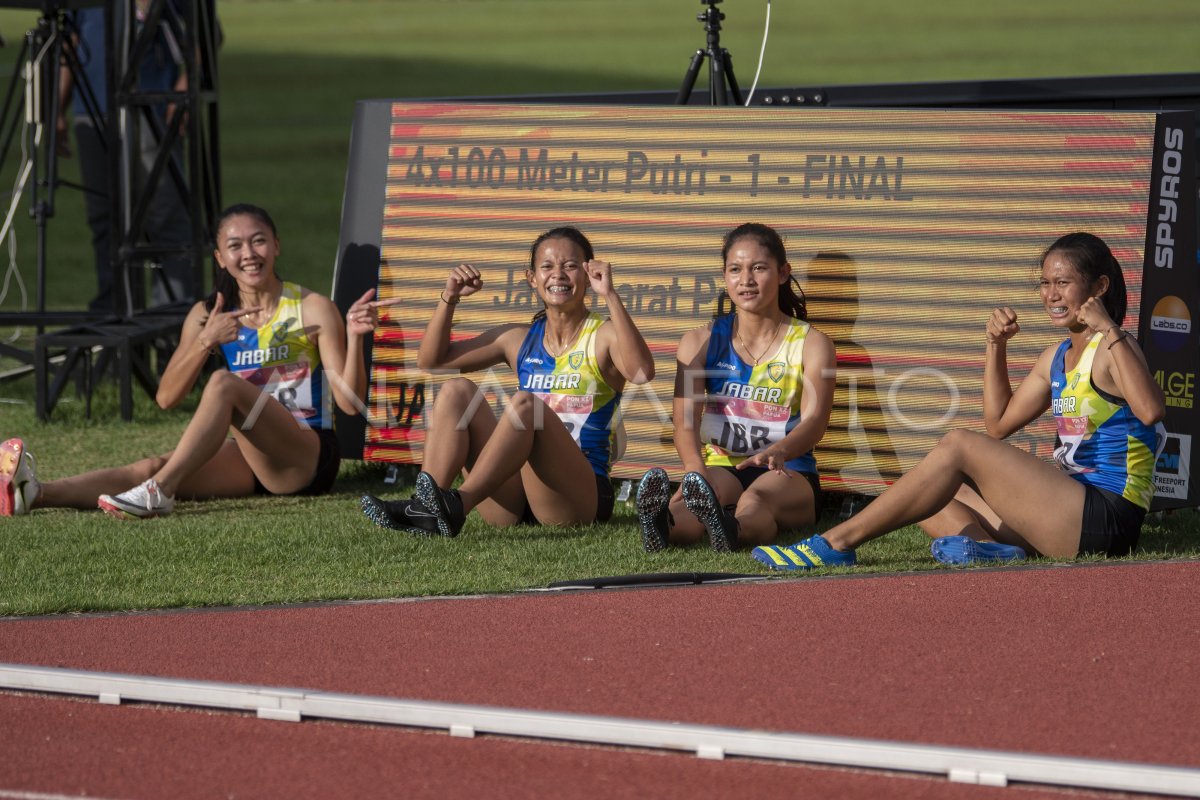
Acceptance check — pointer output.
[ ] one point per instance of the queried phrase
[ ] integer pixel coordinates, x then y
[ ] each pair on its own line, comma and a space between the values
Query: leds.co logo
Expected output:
1170, 324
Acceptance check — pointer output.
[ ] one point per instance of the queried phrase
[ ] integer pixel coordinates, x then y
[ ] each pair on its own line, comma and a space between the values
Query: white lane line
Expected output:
965, 765
13, 794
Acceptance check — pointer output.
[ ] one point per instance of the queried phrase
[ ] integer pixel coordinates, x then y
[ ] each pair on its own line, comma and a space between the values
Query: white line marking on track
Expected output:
987, 767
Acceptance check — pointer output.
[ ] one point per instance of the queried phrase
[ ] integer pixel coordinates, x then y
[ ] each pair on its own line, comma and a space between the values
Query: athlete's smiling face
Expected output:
753, 276
557, 274
1065, 289
247, 248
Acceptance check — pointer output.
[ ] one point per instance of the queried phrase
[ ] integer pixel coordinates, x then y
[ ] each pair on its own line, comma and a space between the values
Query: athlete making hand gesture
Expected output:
984, 500
265, 423
546, 458
753, 393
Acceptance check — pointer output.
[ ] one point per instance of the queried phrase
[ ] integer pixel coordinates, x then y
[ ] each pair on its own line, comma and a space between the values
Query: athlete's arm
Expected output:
1027, 403
620, 341
688, 404
342, 362
341, 344
1005, 412
816, 403
203, 332
494, 346
197, 340
1120, 367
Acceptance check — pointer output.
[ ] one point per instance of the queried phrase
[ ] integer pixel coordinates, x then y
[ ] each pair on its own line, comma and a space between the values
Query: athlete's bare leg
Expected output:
774, 502
687, 528
968, 515
282, 452
1033, 498
459, 426
531, 442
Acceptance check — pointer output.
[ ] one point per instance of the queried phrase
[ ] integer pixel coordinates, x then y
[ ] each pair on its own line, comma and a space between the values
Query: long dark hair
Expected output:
791, 297
562, 232
1090, 256
223, 282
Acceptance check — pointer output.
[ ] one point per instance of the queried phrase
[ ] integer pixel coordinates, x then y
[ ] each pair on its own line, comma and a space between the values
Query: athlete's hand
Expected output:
362, 318
464, 281
773, 458
1093, 314
221, 327
599, 275
1002, 325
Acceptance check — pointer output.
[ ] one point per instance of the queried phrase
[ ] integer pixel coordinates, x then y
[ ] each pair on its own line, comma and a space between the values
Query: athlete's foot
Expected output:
720, 524
400, 515
654, 516
446, 504
19, 486
807, 554
143, 501
960, 550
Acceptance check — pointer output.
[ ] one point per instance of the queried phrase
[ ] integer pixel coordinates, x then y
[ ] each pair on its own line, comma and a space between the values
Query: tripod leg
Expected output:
689, 80
733, 84
716, 78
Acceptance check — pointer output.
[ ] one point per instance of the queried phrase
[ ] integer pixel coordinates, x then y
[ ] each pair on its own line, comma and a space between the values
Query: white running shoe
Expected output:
140, 502
19, 486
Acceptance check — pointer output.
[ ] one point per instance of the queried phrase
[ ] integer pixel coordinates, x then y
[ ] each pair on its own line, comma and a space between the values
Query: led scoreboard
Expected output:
904, 227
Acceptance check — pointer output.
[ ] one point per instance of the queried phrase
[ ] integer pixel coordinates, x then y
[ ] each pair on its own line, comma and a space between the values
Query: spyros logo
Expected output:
1168, 197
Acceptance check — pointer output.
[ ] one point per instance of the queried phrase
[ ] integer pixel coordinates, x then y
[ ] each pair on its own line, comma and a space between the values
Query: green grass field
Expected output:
290, 74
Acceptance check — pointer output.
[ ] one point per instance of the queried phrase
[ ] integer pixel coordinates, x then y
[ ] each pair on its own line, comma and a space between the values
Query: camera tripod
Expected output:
722, 84
29, 115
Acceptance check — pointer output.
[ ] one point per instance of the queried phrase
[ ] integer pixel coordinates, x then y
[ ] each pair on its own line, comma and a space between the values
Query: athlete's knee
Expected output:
147, 467
456, 401
960, 440
223, 383
751, 502
523, 409
456, 393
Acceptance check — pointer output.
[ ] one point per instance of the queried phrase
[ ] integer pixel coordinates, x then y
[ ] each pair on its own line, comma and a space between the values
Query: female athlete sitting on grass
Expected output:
546, 458
989, 501
760, 383
264, 425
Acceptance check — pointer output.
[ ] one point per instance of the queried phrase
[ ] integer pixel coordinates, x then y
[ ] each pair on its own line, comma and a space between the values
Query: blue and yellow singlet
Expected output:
749, 408
1100, 441
282, 361
573, 387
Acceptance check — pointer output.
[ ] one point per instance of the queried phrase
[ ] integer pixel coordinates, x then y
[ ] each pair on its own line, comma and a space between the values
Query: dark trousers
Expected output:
166, 223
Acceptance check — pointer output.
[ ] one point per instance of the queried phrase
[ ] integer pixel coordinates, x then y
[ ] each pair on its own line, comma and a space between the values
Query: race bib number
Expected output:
290, 384
742, 427
572, 409
1071, 431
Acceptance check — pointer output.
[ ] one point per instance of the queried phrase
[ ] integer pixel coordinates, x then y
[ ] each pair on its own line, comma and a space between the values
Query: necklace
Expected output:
563, 347
767, 349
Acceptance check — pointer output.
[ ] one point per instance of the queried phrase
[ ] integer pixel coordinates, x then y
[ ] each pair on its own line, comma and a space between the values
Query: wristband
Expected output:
1124, 335
442, 297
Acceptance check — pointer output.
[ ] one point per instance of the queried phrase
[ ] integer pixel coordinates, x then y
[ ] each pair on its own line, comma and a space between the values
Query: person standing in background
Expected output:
160, 70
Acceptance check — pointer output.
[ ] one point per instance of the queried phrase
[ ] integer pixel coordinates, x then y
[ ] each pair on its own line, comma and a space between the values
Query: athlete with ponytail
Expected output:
984, 500
264, 424
546, 458
753, 393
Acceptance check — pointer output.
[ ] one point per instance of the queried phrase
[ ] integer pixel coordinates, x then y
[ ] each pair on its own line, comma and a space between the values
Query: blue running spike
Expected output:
807, 554
962, 550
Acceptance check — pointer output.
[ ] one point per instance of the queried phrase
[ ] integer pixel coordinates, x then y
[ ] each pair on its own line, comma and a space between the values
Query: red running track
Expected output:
1095, 661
